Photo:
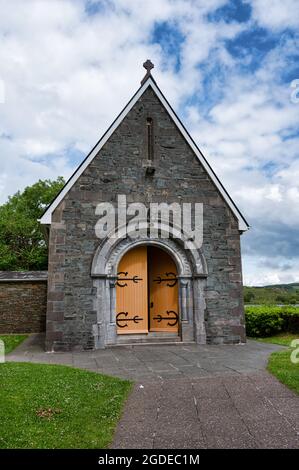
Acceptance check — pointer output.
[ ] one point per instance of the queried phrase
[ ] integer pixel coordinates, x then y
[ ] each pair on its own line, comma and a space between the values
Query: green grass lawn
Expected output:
51, 406
280, 364
12, 341
284, 339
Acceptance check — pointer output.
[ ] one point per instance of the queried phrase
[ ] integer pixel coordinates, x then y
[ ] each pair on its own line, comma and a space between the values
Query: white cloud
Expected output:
259, 273
67, 75
276, 14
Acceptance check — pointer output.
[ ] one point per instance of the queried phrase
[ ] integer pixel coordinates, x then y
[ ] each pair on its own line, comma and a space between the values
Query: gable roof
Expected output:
150, 82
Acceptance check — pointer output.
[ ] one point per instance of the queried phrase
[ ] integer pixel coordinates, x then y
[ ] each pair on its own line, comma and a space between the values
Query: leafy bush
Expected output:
267, 320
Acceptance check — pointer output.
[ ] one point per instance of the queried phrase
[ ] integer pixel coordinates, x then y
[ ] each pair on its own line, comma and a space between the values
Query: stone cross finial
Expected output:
148, 65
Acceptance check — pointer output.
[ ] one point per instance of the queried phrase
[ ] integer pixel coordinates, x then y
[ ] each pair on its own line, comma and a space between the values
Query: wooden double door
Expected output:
147, 292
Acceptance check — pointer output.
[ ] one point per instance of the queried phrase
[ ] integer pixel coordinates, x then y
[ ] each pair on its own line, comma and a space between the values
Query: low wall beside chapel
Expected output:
23, 301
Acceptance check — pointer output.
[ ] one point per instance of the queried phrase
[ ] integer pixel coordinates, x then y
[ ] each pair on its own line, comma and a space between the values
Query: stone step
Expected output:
151, 337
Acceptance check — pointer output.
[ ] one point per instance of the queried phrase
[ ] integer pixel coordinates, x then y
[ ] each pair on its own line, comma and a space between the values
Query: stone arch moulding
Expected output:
192, 273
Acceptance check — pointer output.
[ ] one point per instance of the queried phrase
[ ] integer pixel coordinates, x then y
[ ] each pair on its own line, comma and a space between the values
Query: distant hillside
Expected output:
293, 285
273, 294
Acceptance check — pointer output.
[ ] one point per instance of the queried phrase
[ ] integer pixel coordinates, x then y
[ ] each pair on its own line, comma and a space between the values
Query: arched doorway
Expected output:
191, 272
147, 297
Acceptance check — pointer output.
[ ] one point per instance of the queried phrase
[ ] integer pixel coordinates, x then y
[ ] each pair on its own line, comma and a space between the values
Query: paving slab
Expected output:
190, 396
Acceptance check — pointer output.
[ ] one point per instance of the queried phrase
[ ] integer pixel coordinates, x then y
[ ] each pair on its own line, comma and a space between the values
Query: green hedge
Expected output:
267, 320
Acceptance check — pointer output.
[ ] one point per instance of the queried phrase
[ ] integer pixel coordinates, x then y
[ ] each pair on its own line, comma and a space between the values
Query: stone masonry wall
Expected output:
119, 169
23, 306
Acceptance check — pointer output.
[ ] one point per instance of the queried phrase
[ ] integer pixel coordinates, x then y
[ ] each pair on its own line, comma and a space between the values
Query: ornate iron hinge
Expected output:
173, 319
173, 279
135, 279
119, 320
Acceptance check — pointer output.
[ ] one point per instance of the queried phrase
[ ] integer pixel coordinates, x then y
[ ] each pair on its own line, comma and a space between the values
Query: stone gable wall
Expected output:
119, 169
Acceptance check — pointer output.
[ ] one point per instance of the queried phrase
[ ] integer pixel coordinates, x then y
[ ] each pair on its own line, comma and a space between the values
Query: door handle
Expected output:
151, 304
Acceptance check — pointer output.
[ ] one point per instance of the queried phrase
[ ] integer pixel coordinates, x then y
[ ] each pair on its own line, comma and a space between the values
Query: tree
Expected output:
248, 295
282, 298
22, 241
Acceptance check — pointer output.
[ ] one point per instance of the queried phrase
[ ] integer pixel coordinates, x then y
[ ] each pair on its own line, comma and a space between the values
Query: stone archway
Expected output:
192, 274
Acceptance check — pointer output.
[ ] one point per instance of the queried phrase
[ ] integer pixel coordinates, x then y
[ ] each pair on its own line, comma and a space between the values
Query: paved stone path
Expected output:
191, 396
250, 411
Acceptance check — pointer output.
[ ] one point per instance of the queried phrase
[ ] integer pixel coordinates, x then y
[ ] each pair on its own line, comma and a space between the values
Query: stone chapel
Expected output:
145, 280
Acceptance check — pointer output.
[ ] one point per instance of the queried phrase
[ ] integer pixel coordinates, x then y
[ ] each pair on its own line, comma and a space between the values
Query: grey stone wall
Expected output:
119, 169
23, 300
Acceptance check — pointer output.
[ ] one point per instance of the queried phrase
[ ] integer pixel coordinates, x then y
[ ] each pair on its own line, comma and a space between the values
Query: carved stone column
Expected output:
111, 336
183, 299
186, 313
99, 329
199, 310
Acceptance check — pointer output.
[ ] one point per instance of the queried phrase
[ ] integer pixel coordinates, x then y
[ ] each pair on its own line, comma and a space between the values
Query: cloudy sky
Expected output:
68, 67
